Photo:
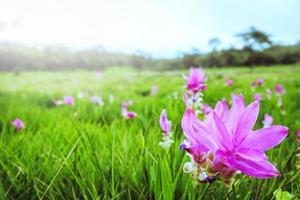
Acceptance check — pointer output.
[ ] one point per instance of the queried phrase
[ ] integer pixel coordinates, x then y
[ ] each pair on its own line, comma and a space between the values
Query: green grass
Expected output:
91, 152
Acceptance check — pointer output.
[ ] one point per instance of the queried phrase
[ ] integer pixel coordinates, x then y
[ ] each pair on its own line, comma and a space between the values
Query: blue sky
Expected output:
162, 28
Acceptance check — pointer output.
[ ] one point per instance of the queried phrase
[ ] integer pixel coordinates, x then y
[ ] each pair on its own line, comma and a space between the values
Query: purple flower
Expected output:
268, 93
18, 124
260, 81
154, 90
229, 82
196, 80
298, 135
68, 100
226, 142
165, 124
97, 100
257, 97
124, 107
253, 84
268, 120
111, 98
206, 109
279, 89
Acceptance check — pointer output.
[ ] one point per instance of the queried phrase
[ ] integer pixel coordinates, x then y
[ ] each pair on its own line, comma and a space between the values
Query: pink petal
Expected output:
259, 169
247, 122
235, 112
224, 137
195, 131
265, 138
165, 124
252, 154
221, 108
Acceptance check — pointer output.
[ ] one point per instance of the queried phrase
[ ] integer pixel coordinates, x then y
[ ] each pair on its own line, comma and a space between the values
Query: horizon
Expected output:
161, 29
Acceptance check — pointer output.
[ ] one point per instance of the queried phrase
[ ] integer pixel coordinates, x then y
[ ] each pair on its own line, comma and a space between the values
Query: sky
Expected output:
162, 28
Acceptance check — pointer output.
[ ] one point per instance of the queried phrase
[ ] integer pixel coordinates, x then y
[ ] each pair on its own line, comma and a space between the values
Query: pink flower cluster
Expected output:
258, 82
196, 80
18, 124
195, 85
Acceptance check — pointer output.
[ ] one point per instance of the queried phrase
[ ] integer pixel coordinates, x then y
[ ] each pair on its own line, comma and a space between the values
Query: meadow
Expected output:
88, 151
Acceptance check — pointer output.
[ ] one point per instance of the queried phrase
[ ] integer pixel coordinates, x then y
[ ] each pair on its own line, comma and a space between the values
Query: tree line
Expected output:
255, 47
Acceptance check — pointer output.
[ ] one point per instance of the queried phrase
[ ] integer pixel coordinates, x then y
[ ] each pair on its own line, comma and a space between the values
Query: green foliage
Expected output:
90, 152
283, 195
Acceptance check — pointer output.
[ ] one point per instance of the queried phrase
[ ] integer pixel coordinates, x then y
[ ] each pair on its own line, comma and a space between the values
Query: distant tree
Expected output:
214, 43
195, 51
255, 39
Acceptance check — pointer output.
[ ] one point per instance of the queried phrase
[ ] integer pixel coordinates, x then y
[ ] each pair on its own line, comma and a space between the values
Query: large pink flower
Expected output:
227, 134
196, 80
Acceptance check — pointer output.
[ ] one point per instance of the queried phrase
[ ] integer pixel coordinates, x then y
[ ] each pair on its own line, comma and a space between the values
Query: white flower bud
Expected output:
188, 167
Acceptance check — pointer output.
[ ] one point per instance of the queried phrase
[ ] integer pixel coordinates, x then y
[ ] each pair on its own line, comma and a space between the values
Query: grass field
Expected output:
87, 151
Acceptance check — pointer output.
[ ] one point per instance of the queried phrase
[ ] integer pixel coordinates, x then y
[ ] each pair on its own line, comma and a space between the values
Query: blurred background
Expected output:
148, 34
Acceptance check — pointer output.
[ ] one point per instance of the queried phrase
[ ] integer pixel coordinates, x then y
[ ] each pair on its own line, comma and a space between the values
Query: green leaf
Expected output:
283, 195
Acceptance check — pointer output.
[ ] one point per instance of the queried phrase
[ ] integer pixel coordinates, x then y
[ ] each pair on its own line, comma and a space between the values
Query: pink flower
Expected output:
154, 90
253, 84
268, 120
298, 135
260, 81
68, 100
226, 142
257, 97
229, 82
165, 124
127, 114
130, 115
279, 89
206, 109
196, 79
18, 124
